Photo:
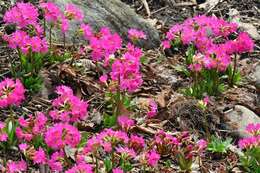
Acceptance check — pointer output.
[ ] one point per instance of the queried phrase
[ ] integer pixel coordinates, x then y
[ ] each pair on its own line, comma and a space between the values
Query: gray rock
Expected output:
257, 77
114, 14
239, 118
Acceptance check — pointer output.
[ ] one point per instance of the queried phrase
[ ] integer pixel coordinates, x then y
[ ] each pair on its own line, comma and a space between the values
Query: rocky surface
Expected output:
113, 14
239, 118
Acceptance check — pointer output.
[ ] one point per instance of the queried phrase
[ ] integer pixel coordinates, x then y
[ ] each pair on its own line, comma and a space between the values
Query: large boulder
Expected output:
114, 14
239, 118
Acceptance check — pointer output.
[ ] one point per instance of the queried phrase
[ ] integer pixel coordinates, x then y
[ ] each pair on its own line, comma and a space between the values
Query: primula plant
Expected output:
211, 44
58, 138
250, 159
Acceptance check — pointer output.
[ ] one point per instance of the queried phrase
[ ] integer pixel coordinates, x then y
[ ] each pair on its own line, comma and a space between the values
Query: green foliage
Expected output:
108, 164
251, 160
237, 77
217, 145
206, 82
28, 71
184, 164
189, 54
109, 120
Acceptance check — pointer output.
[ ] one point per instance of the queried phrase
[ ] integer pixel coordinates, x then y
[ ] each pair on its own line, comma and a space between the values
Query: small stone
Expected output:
239, 118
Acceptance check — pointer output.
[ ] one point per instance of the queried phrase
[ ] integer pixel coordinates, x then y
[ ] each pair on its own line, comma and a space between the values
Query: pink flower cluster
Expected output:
61, 135
11, 92
25, 15
72, 12
180, 144
126, 70
22, 14
103, 44
125, 122
205, 32
22, 41
3, 135
52, 12
253, 140
31, 127
134, 34
15, 167
80, 167
152, 109
67, 107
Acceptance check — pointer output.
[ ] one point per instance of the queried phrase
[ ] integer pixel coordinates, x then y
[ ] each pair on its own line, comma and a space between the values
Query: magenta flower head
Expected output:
243, 43
22, 14
67, 107
39, 156
16, 167
126, 153
253, 129
117, 170
60, 135
202, 145
3, 135
152, 158
136, 142
86, 30
125, 122
134, 34
80, 168
52, 12
11, 92
72, 12
152, 109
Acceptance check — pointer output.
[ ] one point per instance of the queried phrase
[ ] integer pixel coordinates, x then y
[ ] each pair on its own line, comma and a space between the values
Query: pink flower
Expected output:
243, 43
103, 78
125, 122
253, 129
67, 107
16, 167
64, 25
166, 44
134, 34
22, 14
3, 137
39, 123
39, 157
127, 71
87, 31
152, 109
60, 135
125, 152
117, 170
73, 12
152, 158
23, 147
136, 142
103, 44
52, 12
80, 167
11, 92
55, 162
249, 142
202, 145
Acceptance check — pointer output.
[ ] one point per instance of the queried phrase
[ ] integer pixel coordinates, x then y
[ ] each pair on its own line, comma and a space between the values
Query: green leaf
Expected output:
109, 121
108, 164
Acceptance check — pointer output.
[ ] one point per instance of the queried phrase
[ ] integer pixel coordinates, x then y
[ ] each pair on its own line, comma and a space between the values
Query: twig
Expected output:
161, 9
146, 6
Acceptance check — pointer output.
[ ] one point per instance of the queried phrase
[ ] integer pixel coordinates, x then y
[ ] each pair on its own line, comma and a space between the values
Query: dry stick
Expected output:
146, 6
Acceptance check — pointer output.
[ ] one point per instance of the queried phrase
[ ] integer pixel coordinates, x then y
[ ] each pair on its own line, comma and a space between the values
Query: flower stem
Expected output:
234, 70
